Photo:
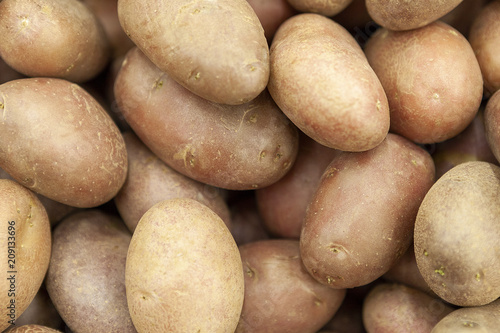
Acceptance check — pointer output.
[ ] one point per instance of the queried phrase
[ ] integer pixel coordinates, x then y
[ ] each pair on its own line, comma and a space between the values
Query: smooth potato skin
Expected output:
321, 80
184, 271
349, 236
58, 141
280, 295
52, 38
492, 124
86, 276
32, 246
432, 80
456, 235
216, 49
326, 8
242, 147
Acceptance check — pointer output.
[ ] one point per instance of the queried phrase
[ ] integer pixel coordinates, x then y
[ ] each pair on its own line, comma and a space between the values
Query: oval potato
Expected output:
326, 8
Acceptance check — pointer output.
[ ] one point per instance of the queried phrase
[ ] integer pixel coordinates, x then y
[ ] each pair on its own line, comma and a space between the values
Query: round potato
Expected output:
26, 242
240, 147
321, 80
215, 49
326, 8
457, 234
33, 329
58, 141
349, 236
86, 275
275, 277
52, 38
184, 271
434, 88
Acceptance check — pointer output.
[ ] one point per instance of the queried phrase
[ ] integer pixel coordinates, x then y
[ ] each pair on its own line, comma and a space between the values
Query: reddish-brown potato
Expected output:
463, 15
323, 7
271, 14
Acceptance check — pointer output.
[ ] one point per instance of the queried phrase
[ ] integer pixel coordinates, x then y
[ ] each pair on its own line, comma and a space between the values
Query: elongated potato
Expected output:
361, 218
239, 147
321, 80
58, 141
216, 49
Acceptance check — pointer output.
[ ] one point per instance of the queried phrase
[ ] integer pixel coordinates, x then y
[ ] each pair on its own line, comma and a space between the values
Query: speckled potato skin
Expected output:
321, 80
492, 124
361, 218
86, 275
33, 329
326, 8
52, 38
406, 15
457, 235
150, 181
184, 271
59, 142
395, 308
239, 147
432, 80
23, 217
280, 295
216, 49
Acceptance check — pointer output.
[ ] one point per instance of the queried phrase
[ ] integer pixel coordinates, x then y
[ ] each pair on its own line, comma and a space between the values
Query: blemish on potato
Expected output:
253, 118
378, 105
440, 271
262, 155
469, 324
478, 277
426, 253
435, 96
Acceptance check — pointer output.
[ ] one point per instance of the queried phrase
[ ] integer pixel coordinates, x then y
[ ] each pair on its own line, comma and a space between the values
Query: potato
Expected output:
477, 319
395, 308
246, 223
33, 329
240, 147
484, 37
457, 235
150, 181
280, 296
321, 80
217, 50
26, 243
361, 218
434, 88
463, 15
54, 38
326, 8
184, 271
58, 141
86, 275
271, 14
7, 73
407, 15
355, 18
492, 124
348, 318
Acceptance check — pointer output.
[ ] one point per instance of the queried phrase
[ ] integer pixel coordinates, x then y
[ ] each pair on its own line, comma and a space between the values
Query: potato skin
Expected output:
52, 38
434, 88
24, 218
86, 275
216, 49
396, 15
492, 124
349, 236
240, 147
33, 329
326, 8
271, 14
456, 235
184, 271
58, 141
321, 80
280, 295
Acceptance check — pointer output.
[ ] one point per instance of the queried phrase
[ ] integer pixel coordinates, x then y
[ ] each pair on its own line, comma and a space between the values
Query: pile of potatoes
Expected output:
249, 166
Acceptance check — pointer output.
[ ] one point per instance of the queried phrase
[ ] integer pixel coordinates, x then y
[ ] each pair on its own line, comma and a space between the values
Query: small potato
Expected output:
215, 49
432, 80
492, 124
326, 8
184, 271
271, 14
457, 235
58, 141
361, 218
280, 296
241, 147
26, 242
407, 15
395, 308
52, 38
86, 276
321, 80
33, 329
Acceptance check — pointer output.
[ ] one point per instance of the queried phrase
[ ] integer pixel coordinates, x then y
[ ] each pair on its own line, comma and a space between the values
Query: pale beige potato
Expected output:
323, 7
32, 328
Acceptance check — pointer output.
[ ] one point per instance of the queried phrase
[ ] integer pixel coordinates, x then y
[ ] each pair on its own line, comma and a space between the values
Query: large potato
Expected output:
26, 244
321, 80
361, 218
86, 275
184, 271
457, 233
216, 49
58, 141
432, 80
56, 38
239, 147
